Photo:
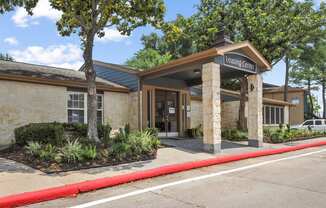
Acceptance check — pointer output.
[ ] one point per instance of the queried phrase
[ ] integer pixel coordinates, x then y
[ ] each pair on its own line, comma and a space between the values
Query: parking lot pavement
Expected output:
295, 179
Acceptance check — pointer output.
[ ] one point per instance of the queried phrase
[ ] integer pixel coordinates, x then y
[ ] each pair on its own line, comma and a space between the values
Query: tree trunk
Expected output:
311, 106
323, 97
243, 91
286, 84
91, 90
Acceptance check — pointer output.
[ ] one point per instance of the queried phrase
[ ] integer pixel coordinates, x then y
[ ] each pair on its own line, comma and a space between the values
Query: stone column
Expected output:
286, 115
255, 110
211, 107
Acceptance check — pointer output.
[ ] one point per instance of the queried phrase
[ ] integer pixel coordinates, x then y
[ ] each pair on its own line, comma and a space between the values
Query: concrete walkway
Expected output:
17, 178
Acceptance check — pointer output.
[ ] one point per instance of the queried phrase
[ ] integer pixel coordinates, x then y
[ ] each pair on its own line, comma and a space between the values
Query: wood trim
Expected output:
164, 88
64, 83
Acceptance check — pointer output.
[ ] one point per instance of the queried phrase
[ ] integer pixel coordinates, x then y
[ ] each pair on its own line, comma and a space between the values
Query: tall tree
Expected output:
147, 58
6, 57
88, 18
8, 5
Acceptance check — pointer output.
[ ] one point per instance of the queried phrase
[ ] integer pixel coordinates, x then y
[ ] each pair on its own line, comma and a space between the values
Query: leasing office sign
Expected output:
240, 61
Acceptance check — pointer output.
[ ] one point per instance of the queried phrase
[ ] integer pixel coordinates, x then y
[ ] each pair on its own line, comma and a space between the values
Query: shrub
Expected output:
48, 152
71, 152
234, 135
152, 131
89, 152
105, 134
119, 150
44, 133
33, 148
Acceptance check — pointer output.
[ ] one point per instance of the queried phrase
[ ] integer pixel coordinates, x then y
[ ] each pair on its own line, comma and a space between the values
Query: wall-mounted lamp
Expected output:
197, 71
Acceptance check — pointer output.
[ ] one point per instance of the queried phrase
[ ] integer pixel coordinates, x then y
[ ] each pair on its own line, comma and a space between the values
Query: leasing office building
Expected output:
158, 98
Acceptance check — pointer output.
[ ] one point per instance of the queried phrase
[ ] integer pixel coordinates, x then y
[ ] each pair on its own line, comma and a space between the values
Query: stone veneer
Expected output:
255, 110
211, 107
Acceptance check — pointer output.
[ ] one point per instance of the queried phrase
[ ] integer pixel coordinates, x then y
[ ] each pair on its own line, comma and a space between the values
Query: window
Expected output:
318, 122
308, 123
295, 100
77, 107
273, 115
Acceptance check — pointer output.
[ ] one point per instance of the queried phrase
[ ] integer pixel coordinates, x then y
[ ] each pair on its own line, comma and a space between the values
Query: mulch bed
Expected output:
17, 154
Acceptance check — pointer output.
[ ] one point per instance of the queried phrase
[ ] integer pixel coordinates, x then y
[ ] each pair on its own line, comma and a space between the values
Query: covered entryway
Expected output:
208, 69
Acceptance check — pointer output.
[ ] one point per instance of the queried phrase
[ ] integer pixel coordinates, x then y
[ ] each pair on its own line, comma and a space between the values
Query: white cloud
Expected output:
111, 35
42, 9
66, 56
11, 41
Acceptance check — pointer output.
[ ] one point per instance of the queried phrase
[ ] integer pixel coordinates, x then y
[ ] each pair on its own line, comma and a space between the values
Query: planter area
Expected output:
274, 135
57, 147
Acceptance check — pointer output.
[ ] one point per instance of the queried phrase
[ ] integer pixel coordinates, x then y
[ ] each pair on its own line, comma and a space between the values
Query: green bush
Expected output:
234, 135
105, 134
44, 133
48, 152
71, 152
89, 152
152, 131
33, 148
119, 151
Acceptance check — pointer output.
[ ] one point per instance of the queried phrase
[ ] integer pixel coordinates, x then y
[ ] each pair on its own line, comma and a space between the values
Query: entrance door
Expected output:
166, 113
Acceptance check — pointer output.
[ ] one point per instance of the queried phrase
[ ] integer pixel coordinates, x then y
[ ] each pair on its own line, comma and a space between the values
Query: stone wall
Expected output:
116, 107
196, 114
230, 114
23, 103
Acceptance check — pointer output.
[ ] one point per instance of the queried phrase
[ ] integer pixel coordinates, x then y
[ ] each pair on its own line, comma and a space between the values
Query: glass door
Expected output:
166, 113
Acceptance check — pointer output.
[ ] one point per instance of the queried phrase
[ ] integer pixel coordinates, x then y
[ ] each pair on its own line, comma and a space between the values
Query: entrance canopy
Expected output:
235, 60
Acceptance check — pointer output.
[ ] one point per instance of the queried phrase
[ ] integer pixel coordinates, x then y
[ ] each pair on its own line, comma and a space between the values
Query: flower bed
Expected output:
56, 147
274, 135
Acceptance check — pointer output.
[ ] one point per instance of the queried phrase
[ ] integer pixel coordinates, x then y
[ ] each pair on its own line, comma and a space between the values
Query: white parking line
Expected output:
189, 180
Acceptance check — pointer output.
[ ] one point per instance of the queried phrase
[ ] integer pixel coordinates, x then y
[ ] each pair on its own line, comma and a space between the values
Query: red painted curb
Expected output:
74, 189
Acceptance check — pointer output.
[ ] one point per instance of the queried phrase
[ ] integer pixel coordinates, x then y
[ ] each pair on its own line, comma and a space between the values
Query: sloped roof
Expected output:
51, 75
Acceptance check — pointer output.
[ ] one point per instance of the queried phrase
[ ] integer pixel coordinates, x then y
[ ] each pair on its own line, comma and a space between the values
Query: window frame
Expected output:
85, 105
277, 115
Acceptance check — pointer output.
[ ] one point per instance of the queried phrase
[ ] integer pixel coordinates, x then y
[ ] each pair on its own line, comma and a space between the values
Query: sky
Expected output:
34, 39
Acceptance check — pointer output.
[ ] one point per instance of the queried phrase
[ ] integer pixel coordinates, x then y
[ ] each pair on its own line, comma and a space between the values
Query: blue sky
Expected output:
36, 40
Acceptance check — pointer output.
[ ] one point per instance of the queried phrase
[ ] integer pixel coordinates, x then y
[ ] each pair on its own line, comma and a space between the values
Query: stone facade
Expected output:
116, 107
211, 107
255, 110
230, 114
196, 114
23, 103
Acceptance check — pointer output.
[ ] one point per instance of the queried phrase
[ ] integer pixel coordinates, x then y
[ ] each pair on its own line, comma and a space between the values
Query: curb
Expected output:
86, 186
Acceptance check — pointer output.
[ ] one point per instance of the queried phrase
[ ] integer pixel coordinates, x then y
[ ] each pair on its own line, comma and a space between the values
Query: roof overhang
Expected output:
245, 48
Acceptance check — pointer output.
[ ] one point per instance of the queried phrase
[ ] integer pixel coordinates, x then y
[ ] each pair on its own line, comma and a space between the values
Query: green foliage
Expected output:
71, 152
33, 148
234, 135
147, 59
6, 57
105, 134
89, 152
48, 152
8, 5
152, 131
44, 133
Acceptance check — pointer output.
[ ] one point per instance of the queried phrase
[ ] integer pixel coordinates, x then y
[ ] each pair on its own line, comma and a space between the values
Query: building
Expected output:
158, 98
296, 96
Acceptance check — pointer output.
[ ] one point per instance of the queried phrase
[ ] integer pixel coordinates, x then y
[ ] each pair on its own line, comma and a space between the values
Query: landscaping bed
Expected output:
56, 147
274, 135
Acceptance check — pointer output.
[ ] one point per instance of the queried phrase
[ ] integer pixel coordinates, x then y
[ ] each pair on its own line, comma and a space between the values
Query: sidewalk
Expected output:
17, 178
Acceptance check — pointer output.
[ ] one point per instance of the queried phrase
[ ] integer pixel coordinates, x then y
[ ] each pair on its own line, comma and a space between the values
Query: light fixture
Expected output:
197, 71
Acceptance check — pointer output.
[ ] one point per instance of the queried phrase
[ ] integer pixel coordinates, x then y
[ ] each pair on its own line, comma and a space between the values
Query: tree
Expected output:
147, 58
8, 5
6, 57
88, 18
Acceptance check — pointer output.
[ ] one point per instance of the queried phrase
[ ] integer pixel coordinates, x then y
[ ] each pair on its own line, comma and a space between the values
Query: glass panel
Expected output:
308, 123
160, 114
272, 115
99, 117
318, 122
172, 111
149, 109
75, 116
282, 115
277, 115
267, 115
99, 102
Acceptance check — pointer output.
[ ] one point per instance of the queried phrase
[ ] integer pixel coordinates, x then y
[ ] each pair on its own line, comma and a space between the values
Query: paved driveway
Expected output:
296, 179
